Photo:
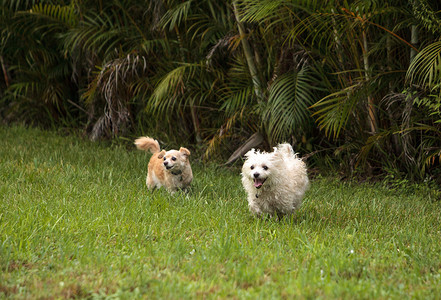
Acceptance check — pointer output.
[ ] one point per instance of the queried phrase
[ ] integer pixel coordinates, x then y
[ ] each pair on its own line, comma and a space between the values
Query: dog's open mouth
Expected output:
258, 182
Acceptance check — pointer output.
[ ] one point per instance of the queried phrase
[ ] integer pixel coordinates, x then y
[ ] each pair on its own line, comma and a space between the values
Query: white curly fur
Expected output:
275, 182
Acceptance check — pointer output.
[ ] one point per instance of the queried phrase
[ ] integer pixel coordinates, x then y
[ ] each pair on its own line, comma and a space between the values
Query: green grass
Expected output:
76, 221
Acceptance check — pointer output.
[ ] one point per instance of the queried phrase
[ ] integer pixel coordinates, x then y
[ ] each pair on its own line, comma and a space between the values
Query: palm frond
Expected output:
425, 68
287, 109
97, 33
19, 5
167, 92
65, 14
237, 100
113, 84
275, 12
255, 11
176, 15
335, 110
426, 15
237, 94
153, 45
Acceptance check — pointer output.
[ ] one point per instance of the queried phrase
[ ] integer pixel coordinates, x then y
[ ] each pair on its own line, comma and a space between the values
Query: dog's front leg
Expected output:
254, 207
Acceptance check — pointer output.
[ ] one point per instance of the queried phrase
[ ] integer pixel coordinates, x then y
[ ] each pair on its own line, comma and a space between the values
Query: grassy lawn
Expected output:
76, 221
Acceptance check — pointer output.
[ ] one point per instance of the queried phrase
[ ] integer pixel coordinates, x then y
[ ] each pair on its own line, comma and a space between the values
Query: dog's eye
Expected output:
164, 158
252, 167
173, 158
265, 168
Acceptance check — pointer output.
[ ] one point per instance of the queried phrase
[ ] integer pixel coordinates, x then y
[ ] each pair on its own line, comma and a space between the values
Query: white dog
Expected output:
275, 182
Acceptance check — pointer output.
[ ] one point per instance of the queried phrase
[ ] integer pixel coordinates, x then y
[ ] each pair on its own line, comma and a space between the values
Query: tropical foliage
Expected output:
355, 85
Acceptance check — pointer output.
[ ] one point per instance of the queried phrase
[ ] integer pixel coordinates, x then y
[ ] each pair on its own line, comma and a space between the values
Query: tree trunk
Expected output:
338, 46
5, 71
249, 56
255, 140
196, 124
372, 114
413, 41
395, 141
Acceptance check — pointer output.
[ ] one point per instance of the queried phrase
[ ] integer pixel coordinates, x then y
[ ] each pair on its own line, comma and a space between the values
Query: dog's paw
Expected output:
254, 209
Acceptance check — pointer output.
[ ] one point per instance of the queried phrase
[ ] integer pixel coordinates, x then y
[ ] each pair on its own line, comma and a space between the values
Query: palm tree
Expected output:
324, 75
424, 91
40, 90
112, 52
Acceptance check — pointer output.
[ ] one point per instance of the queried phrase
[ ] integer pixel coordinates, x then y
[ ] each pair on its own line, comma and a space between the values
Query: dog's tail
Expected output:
145, 143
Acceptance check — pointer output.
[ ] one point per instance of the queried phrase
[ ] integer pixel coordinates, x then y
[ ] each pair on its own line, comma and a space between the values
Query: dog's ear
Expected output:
184, 151
250, 153
161, 154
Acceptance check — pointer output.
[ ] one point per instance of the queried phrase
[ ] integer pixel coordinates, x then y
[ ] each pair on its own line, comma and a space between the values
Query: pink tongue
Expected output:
258, 183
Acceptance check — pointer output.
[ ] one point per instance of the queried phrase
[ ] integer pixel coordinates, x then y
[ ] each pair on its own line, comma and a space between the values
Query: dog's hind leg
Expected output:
151, 184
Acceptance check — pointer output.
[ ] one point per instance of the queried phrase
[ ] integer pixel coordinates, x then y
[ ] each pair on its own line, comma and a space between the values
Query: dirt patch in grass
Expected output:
16, 265
8, 290
74, 291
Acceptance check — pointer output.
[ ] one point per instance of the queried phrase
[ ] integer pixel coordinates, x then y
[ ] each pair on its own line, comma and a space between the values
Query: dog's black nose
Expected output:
165, 163
256, 175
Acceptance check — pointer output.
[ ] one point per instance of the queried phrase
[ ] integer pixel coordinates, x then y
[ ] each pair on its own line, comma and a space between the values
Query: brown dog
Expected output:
170, 169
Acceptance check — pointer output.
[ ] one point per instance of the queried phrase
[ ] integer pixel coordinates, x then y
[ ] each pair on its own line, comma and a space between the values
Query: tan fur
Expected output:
170, 169
146, 144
